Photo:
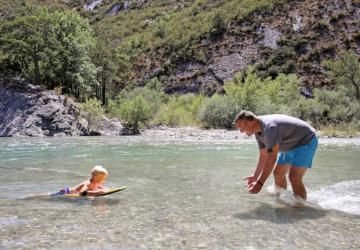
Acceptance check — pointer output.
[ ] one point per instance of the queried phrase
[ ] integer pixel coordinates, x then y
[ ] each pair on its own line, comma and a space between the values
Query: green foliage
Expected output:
179, 111
218, 26
346, 72
328, 107
160, 30
154, 97
244, 92
218, 112
135, 112
138, 105
109, 63
341, 130
52, 47
264, 96
280, 61
175, 34
93, 113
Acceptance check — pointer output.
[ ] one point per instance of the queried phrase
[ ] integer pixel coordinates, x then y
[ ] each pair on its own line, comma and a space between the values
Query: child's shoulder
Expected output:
86, 182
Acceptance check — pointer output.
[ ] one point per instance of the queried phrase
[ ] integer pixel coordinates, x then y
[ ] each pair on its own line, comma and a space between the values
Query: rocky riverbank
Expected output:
194, 133
28, 110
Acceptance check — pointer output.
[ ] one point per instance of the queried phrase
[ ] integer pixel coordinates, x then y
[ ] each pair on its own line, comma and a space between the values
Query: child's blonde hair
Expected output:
98, 170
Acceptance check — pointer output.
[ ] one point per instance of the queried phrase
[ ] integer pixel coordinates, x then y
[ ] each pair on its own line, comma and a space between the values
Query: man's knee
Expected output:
280, 171
294, 178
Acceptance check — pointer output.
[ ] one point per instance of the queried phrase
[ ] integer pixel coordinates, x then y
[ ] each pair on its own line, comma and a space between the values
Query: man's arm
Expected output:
259, 168
261, 163
270, 160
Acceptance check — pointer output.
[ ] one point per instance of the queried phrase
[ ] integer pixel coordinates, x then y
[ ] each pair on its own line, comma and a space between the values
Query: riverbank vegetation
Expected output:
81, 56
335, 111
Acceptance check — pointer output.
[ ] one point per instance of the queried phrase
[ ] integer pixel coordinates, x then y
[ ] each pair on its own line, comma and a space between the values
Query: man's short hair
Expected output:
245, 115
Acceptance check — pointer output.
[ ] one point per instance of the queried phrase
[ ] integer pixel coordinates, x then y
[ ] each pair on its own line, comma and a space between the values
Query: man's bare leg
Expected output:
280, 172
295, 176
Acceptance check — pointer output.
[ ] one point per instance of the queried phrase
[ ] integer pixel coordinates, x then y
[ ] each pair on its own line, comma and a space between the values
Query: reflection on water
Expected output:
182, 194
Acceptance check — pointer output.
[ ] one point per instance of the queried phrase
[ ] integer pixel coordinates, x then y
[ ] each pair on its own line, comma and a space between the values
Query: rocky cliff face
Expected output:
31, 111
296, 39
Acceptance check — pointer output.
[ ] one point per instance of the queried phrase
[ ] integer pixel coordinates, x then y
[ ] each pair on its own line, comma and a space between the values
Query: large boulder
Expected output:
110, 127
31, 111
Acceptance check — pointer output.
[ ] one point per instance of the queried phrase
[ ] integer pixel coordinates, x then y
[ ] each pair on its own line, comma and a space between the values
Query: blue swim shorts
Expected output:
301, 156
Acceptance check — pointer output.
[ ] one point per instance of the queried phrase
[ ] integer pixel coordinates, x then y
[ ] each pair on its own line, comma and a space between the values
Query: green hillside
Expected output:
195, 46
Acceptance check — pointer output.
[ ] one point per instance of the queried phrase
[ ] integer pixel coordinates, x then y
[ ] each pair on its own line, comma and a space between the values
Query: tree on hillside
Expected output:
110, 63
346, 71
53, 49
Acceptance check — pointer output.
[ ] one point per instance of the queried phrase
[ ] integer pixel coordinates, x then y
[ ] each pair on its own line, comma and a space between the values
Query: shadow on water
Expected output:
281, 215
101, 201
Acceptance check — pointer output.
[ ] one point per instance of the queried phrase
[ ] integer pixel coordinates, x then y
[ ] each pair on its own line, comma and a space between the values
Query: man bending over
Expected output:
284, 141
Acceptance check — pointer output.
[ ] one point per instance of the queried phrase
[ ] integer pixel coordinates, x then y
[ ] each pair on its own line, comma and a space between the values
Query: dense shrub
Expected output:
346, 72
93, 113
218, 112
136, 106
135, 113
218, 26
179, 111
264, 96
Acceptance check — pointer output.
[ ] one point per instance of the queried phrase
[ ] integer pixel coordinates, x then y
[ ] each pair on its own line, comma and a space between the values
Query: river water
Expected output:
182, 194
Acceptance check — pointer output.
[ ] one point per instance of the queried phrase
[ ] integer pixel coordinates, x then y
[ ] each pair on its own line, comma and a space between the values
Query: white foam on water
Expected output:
286, 197
343, 196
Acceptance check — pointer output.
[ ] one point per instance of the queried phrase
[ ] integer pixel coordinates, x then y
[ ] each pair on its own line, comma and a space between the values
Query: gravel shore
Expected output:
194, 133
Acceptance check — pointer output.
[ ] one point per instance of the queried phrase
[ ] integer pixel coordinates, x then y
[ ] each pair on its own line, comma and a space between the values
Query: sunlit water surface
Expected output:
182, 194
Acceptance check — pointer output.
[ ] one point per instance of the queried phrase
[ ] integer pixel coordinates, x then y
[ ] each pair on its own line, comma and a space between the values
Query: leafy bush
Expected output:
135, 112
138, 105
264, 96
346, 72
152, 93
179, 111
218, 112
244, 92
93, 113
218, 26
280, 61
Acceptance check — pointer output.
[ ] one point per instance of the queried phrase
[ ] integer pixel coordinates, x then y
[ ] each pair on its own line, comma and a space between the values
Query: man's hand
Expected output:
255, 188
250, 181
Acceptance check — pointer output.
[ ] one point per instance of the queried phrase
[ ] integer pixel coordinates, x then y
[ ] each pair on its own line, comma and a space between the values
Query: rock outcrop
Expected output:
28, 110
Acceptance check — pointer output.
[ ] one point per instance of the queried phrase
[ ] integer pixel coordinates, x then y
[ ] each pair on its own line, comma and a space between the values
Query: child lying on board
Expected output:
91, 187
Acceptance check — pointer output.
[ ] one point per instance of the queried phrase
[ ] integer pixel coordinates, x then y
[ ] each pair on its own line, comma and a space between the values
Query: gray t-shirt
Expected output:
289, 132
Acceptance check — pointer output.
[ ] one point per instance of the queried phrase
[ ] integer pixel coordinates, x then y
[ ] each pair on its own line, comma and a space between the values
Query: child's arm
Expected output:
93, 192
79, 188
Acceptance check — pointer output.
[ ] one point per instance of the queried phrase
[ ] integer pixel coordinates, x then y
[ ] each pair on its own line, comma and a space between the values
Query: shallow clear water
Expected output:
182, 194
